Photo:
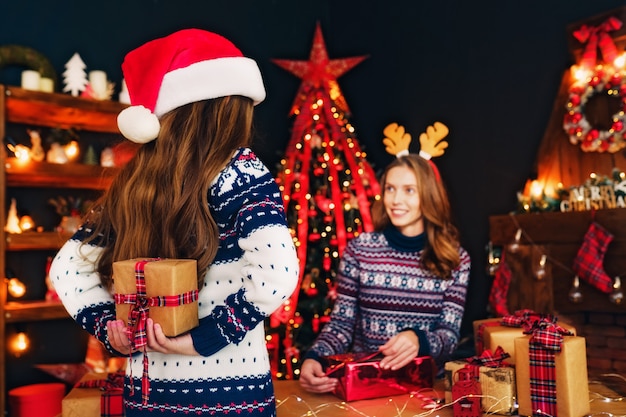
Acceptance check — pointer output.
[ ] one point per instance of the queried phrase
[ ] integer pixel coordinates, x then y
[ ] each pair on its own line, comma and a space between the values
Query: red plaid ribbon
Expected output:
545, 341
491, 359
525, 319
111, 400
139, 313
480, 336
597, 36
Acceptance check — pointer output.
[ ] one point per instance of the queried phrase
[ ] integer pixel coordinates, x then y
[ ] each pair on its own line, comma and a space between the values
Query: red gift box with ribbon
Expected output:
360, 376
551, 371
496, 378
96, 395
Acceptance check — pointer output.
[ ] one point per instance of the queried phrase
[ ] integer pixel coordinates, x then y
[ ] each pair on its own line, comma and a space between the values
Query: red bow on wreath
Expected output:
597, 36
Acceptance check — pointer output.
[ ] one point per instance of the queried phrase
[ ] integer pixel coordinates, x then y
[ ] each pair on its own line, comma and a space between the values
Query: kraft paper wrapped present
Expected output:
497, 381
360, 376
95, 395
169, 290
551, 372
502, 331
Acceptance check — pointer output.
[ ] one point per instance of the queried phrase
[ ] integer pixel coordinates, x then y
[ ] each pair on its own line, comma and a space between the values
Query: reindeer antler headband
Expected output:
397, 141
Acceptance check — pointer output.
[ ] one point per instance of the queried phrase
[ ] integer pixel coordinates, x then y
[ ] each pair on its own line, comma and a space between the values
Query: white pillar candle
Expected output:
98, 82
46, 85
30, 80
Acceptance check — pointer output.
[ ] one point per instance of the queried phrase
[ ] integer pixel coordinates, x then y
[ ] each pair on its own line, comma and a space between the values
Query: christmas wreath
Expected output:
28, 57
603, 80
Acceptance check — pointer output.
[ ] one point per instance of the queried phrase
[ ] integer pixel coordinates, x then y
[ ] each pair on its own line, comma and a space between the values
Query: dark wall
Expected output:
488, 69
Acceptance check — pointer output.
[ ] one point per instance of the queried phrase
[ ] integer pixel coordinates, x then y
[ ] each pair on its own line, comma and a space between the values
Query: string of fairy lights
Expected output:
431, 401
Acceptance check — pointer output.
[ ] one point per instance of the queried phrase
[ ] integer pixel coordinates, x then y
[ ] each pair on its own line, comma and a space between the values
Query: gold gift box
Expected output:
163, 277
572, 390
497, 384
84, 402
495, 334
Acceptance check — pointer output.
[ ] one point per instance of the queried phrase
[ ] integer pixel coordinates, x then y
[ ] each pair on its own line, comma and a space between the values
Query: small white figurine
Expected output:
36, 151
56, 154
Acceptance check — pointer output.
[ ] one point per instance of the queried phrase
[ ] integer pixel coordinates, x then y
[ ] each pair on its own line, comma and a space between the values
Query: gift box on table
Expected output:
360, 376
168, 287
502, 331
551, 372
496, 378
95, 395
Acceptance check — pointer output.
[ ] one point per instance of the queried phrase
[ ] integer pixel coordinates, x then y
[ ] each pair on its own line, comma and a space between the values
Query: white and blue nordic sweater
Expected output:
255, 270
383, 289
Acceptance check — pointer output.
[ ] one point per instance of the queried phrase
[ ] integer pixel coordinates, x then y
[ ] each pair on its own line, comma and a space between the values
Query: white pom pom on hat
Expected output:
187, 66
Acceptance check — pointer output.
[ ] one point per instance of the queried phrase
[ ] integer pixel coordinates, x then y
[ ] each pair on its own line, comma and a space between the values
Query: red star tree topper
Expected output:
328, 187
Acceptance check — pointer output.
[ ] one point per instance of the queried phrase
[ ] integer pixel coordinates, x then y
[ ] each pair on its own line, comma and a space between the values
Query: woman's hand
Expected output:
118, 339
313, 378
156, 339
158, 342
399, 350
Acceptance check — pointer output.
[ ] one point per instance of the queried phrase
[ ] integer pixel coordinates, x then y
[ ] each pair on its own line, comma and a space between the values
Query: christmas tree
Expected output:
328, 187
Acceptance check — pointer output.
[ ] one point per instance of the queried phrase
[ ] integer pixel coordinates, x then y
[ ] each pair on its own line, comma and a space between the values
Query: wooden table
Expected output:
292, 401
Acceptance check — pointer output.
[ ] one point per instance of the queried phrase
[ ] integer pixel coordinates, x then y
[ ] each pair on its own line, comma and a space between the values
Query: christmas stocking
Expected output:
588, 262
500, 289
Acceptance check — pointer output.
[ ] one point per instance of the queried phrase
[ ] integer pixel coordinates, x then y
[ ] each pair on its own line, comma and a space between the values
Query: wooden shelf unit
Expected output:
49, 110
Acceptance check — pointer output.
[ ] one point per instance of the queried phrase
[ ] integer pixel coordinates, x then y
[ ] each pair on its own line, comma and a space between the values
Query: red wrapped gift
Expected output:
360, 376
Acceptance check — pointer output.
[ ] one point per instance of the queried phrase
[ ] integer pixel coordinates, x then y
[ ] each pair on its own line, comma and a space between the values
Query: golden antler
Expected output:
431, 143
396, 139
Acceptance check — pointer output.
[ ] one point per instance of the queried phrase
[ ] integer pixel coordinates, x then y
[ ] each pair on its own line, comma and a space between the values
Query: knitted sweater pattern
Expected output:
383, 291
254, 272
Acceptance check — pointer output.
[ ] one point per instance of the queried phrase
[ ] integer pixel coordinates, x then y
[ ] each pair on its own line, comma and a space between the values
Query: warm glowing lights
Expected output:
21, 152
580, 74
18, 344
72, 150
16, 288
26, 223
536, 190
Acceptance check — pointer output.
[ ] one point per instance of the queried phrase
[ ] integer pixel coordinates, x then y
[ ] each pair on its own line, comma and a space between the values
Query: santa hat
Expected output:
187, 66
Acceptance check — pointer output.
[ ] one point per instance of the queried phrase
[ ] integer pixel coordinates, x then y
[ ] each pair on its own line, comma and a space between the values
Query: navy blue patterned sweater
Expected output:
383, 289
255, 270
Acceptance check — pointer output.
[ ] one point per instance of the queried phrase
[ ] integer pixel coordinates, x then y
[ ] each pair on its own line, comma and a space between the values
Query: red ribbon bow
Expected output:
139, 313
524, 319
113, 380
597, 36
491, 359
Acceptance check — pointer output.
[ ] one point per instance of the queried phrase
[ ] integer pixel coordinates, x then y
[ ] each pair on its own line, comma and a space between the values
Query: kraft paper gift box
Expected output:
175, 279
360, 376
570, 377
497, 384
491, 333
101, 396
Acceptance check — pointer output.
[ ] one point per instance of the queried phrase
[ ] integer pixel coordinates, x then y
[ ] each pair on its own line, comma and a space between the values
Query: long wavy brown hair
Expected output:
441, 252
157, 205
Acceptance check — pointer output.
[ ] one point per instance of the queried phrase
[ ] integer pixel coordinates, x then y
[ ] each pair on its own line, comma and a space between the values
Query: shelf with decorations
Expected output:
35, 184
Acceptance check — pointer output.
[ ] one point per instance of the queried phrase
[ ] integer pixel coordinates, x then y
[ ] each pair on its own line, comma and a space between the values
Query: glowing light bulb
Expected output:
16, 288
26, 223
72, 150
19, 343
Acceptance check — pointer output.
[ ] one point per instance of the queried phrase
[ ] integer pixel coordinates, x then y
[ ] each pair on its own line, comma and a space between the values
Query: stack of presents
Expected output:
527, 364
